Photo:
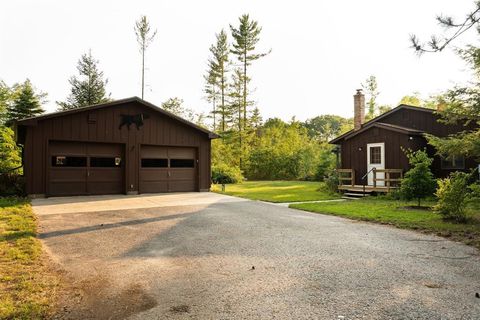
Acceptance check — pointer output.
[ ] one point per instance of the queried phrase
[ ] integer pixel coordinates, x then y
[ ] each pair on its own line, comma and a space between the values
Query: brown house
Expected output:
126, 146
372, 154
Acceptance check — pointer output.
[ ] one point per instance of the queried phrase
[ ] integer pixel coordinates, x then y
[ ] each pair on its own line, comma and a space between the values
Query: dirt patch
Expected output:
180, 309
95, 298
432, 285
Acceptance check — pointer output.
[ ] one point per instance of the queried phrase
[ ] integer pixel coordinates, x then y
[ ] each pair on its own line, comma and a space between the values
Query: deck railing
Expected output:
346, 175
387, 177
391, 179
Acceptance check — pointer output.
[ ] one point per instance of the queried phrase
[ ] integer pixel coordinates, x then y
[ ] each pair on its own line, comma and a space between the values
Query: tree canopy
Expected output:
87, 89
25, 102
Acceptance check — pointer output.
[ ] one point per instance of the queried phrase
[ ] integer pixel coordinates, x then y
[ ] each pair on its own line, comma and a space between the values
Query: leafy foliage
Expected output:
283, 151
452, 195
419, 181
223, 174
326, 127
175, 106
5, 100
371, 88
332, 181
9, 151
25, 103
460, 105
89, 88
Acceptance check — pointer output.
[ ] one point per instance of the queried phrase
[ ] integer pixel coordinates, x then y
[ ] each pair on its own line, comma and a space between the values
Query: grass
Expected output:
27, 285
278, 191
392, 212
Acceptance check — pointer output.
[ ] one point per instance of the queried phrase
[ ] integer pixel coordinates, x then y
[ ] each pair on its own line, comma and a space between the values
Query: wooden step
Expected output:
355, 194
350, 198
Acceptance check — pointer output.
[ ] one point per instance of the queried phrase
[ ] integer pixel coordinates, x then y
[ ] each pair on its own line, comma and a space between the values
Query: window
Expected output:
375, 155
182, 163
453, 162
105, 162
65, 161
154, 163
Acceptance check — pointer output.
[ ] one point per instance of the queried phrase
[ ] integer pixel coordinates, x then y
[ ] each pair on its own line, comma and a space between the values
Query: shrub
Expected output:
418, 182
452, 194
332, 181
12, 184
223, 173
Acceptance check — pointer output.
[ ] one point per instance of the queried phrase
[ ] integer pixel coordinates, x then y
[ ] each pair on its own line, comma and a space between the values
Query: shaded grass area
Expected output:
394, 212
278, 191
27, 286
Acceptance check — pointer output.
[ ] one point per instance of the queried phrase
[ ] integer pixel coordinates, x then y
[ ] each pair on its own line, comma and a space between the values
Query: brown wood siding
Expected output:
157, 130
353, 158
354, 150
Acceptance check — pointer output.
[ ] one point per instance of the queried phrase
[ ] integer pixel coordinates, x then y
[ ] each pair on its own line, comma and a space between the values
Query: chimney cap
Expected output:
359, 91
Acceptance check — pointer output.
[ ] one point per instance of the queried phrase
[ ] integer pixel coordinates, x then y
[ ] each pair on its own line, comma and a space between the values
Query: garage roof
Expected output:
33, 120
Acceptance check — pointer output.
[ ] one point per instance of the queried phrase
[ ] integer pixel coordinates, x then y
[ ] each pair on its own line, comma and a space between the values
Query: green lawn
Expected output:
278, 191
27, 285
385, 211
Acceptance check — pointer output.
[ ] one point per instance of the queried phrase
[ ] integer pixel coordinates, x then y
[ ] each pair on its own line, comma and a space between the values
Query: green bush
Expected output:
419, 181
452, 194
223, 173
12, 184
332, 181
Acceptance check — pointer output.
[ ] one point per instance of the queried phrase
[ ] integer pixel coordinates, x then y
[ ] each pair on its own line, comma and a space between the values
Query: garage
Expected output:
167, 169
85, 168
127, 146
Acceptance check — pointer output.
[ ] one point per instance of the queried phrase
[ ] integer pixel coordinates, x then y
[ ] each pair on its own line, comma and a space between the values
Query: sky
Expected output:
321, 50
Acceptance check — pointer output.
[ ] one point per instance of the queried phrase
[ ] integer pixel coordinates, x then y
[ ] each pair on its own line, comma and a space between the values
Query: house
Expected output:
372, 153
126, 146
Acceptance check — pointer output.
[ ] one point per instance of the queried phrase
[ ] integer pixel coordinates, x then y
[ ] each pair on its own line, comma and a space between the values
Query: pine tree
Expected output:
89, 89
246, 37
211, 92
144, 39
371, 88
5, 100
25, 103
219, 67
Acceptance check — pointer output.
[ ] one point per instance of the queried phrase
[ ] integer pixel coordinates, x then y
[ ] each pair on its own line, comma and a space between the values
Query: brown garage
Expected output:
126, 146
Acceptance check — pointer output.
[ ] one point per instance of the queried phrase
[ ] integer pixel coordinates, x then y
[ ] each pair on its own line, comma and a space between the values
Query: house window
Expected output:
375, 155
453, 162
154, 163
65, 161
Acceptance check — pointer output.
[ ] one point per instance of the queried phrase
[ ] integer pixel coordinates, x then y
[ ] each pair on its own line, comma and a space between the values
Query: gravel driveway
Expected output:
209, 256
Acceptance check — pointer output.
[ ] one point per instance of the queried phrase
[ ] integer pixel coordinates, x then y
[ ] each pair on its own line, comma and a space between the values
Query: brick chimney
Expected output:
358, 109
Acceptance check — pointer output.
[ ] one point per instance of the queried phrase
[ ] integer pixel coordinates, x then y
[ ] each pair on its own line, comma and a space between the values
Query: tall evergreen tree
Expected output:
371, 88
246, 37
144, 38
211, 92
5, 100
219, 68
89, 88
25, 103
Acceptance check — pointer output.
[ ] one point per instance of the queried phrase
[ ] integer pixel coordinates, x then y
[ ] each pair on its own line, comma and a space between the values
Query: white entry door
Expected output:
376, 159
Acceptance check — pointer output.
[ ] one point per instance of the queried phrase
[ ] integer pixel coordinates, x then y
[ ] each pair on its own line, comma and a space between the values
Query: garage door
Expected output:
167, 169
85, 168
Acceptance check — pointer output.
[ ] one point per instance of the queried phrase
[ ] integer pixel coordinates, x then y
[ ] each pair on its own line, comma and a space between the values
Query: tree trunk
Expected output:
223, 98
214, 113
143, 67
245, 89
